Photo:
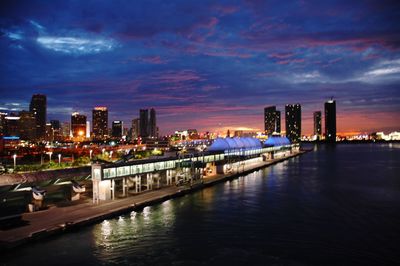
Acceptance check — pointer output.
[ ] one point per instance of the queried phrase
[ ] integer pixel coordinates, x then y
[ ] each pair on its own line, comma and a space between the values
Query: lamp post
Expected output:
90, 154
59, 159
50, 153
111, 152
102, 151
15, 160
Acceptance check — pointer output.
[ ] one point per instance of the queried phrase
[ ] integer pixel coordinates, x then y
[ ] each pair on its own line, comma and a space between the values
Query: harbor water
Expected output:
337, 205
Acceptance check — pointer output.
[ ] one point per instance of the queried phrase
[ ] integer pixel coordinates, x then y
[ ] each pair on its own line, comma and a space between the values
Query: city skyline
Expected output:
210, 66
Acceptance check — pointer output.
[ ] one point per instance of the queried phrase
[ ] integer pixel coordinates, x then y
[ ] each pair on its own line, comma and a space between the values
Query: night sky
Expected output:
202, 64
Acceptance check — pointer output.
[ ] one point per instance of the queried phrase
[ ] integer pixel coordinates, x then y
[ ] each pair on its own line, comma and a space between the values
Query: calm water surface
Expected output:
333, 206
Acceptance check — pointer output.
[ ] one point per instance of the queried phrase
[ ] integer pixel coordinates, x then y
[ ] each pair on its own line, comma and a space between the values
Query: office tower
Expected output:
272, 120
38, 108
66, 130
152, 123
100, 122
330, 121
27, 125
78, 125
117, 127
49, 133
2, 123
55, 125
144, 123
278, 122
12, 125
317, 124
293, 122
135, 128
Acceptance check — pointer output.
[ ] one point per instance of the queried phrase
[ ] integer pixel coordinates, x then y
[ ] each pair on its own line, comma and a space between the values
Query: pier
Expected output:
55, 220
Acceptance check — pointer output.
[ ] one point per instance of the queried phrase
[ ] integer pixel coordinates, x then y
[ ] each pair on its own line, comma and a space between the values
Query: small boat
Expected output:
77, 188
38, 194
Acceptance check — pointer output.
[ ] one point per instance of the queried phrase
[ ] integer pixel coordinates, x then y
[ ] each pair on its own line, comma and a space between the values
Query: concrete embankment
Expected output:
42, 224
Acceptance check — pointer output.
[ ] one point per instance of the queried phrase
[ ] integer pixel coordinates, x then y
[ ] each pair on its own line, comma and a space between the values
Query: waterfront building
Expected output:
117, 128
293, 122
78, 126
153, 124
65, 130
317, 125
272, 120
144, 123
135, 130
49, 133
2, 123
12, 125
100, 122
330, 121
55, 125
27, 125
38, 107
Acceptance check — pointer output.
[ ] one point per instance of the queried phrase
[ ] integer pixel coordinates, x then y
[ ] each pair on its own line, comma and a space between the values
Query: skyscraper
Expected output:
38, 108
272, 120
152, 123
278, 122
78, 125
144, 123
330, 121
135, 128
317, 124
27, 125
55, 124
117, 127
100, 122
293, 122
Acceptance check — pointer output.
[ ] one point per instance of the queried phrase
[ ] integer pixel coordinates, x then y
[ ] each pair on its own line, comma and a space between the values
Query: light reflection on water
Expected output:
334, 206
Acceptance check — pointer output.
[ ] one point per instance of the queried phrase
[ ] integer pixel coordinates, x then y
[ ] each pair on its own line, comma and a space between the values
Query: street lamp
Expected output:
15, 160
59, 159
102, 151
90, 154
50, 153
111, 152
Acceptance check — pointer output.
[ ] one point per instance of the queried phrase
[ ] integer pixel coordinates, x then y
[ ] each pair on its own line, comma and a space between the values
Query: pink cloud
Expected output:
290, 61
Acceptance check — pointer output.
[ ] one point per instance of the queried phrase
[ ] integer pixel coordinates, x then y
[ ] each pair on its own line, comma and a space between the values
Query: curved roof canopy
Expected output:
277, 141
221, 144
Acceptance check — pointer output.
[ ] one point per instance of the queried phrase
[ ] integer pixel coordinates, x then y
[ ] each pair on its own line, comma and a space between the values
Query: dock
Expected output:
56, 220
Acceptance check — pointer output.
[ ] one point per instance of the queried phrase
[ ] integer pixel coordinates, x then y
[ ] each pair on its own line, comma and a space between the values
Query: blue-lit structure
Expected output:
275, 141
231, 144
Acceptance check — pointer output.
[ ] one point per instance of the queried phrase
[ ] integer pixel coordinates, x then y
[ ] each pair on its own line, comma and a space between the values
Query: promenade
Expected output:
54, 220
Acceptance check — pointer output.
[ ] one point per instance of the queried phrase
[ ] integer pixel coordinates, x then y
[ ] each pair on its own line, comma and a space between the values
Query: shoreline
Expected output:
57, 220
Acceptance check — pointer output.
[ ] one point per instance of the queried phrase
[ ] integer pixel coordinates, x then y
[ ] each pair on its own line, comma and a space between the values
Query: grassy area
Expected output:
53, 165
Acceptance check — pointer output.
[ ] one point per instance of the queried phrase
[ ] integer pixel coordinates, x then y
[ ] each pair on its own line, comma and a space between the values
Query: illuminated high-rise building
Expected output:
293, 122
27, 125
78, 125
153, 124
117, 129
317, 124
278, 122
272, 120
12, 125
135, 128
100, 122
56, 126
38, 107
330, 121
144, 123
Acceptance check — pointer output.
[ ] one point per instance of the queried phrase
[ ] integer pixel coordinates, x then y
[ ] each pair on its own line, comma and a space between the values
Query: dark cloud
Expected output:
203, 64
